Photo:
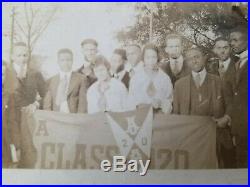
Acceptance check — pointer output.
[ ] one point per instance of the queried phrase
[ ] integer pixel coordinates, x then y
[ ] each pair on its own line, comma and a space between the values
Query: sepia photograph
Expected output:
124, 93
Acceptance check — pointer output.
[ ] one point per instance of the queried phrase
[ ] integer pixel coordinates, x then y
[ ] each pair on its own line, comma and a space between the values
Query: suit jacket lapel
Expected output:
187, 95
72, 83
12, 82
211, 85
230, 70
240, 73
55, 85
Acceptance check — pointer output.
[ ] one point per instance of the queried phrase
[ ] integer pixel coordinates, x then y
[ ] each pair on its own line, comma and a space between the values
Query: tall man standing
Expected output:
238, 41
226, 70
23, 86
175, 66
89, 50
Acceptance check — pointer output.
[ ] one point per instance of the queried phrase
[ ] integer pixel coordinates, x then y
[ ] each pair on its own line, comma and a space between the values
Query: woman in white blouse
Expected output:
106, 94
151, 85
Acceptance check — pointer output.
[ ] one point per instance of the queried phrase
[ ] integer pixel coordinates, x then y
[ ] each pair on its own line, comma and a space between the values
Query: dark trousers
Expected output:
228, 157
241, 152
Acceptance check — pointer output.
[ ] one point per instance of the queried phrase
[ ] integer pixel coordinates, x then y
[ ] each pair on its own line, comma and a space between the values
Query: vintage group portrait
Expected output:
133, 87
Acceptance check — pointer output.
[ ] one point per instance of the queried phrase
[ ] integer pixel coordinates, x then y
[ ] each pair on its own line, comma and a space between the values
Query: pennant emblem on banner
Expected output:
133, 132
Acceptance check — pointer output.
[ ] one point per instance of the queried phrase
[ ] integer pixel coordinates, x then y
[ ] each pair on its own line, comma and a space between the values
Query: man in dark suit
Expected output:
238, 41
117, 69
199, 93
89, 49
134, 63
66, 90
6, 154
226, 70
175, 66
24, 87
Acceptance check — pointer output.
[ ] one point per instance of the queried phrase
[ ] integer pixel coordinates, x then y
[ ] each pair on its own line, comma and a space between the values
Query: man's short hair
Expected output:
121, 52
194, 49
101, 60
173, 36
65, 50
89, 41
220, 39
241, 29
134, 45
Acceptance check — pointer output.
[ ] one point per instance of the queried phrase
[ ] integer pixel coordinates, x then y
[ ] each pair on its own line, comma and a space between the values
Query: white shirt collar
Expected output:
225, 63
202, 74
17, 68
244, 54
128, 67
62, 75
178, 62
243, 57
86, 63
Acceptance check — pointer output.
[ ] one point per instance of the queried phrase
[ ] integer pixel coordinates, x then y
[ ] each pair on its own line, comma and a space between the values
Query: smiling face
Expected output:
65, 61
89, 51
238, 42
222, 49
195, 60
174, 47
150, 58
101, 72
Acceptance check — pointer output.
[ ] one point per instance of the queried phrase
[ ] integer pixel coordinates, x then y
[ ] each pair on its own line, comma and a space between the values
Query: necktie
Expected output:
131, 72
151, 90
175, 67
87, 71
62, 91
115, 75
197, 80
221, 69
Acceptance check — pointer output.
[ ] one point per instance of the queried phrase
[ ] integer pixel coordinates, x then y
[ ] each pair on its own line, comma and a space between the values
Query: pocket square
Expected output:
219, 97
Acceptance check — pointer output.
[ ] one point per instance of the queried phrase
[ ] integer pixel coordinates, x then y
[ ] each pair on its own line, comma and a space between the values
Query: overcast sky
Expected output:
73, 23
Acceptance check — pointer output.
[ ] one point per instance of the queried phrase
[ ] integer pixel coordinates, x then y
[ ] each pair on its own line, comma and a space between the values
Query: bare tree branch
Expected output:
20, 27
26, 15
200, 33
43, 28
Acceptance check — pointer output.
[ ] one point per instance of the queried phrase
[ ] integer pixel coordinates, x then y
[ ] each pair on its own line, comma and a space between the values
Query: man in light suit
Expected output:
238, 41
175, 66
24, 89
199, 93
66, 90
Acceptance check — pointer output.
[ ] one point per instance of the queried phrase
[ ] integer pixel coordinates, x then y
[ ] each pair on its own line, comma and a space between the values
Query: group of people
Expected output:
185, 83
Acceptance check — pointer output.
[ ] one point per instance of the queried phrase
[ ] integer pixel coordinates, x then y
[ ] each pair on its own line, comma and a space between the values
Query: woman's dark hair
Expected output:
101, 60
